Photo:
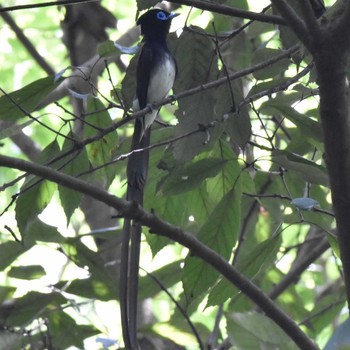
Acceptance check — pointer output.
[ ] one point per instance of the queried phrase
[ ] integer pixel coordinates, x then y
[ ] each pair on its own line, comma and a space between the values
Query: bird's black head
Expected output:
155, 23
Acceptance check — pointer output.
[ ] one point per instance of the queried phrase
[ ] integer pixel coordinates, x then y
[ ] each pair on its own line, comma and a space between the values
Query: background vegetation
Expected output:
243, 161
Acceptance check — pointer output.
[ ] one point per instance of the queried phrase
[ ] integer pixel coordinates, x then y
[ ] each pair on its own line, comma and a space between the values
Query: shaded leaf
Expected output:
19, 103
307, 126
219, 233
28, 272
9, 252
264, 54
304, 168
197, 67
167, 276
24, 310
40, 231
187, 177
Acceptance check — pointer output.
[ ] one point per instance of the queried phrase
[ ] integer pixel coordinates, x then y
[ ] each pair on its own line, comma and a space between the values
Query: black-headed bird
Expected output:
156, 71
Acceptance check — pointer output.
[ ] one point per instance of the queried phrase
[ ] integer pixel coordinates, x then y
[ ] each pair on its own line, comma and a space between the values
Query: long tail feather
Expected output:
137, 170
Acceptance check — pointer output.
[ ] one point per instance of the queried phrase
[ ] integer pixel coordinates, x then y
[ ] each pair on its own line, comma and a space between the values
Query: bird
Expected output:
155, 75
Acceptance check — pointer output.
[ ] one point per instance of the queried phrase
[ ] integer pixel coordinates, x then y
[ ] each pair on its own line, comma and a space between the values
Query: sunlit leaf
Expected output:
255, 331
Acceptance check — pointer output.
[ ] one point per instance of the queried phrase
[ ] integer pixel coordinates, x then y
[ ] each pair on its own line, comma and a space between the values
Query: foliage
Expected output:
240, 167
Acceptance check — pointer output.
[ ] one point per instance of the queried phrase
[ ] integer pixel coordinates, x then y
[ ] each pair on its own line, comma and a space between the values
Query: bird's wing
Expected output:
143, 74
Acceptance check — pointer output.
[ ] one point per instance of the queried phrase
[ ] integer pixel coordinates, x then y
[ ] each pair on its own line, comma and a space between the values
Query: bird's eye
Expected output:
161, 16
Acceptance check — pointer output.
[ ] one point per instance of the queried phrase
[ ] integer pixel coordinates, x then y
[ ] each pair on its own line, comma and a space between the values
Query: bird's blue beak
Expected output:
172, 15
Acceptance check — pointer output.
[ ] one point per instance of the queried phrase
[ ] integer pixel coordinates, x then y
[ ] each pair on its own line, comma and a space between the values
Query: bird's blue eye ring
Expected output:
161, 16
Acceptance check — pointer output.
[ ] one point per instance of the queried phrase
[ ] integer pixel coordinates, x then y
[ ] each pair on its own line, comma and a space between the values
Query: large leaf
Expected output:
220, 234
39, 231
264, 54
86, 258
9, 252
251, 262
187, 177
79, 163
100, 151
88, 288
196, 67
166, 276
256, 331
22, 311
307, 126
19, 103
62, 324
236, 120
35, 194
304, 168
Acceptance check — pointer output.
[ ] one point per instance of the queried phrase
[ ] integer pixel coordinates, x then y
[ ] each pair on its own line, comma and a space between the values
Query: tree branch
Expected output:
44, 4
230, 11
132, 211
293, 20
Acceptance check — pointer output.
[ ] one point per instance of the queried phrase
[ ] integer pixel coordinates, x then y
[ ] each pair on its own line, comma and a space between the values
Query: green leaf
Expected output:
251, 263
86, 258
256, 331
39, 231
264, 54
6, 293
9, 252
100, 151
28, 272
19, 103
304, 168
22, 311
189, 176
36, 193
220, 234
74, 334
307, 126
167, 276
197, 67
129, 82
90, 288
236, 121
108, 49
79, 163
32, 202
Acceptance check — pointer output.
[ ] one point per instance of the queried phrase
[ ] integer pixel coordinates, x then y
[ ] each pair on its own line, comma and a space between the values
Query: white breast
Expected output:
159, 86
